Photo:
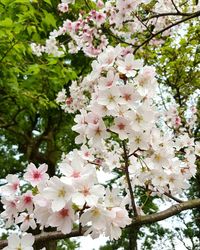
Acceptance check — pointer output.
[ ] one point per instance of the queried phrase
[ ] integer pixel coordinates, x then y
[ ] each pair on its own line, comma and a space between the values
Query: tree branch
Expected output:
138, 221
173, 197
176, 8
129, 181
171, 211
117, 37
196, 14
55, 235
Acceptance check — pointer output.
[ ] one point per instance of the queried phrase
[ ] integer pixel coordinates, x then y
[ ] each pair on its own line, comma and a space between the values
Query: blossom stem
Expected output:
129, 180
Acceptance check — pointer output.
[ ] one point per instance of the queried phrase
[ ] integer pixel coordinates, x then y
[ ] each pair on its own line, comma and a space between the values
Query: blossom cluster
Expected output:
74, 197
124, 20
122, 103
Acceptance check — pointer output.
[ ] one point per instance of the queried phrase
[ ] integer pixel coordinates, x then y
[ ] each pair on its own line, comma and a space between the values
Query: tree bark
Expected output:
133, 237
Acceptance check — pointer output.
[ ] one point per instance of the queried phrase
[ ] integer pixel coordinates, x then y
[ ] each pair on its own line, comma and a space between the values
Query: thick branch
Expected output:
46, 236
173, 210
139, 221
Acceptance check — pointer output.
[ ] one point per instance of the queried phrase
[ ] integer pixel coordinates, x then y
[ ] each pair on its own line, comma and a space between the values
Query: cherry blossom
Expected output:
128, 66
58, 192
12, 186
62, 219
36, 175
24, 242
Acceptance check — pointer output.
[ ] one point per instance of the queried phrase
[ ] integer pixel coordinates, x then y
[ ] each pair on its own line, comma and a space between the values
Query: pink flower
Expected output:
88, 193
11, 187
10, 206
63, 7
26, 202
129, 95
62, 219
108, 81
36, 175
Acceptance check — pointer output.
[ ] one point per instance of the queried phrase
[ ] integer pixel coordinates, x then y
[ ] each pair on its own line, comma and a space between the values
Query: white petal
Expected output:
27, 240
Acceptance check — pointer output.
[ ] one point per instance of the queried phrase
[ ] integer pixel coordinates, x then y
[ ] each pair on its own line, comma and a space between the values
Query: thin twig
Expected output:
196, 14
162, 15
129, 181
117, 37
145, 25
173, 198
176, 8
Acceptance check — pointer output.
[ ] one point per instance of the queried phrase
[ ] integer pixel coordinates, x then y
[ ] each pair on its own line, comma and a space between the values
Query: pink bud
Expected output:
100, 4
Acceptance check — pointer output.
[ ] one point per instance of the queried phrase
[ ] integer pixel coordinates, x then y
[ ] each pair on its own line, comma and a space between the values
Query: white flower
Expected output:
24, 242
96, 215
58, 192
129, 96
128, 66
117, 218
97, 132
27, 221
26, 202
75, 169
108, 81
121, 127
10, 206
110, 97
88, 193
61, 96
142, 118
112, 197
139, 140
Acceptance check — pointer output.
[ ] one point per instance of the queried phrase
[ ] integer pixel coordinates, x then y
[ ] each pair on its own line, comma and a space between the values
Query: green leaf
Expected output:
33, 69
49, 19
48, 1
7, 22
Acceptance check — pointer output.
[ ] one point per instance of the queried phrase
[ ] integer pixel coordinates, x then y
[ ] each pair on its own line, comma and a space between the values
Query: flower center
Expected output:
64, 212
127, 97
27, 199
85, 191
76, 174
121, 126
61, 193
36, 175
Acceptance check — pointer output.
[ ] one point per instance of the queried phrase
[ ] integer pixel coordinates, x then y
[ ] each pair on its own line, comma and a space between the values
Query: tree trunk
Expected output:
50, 245
133, 236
